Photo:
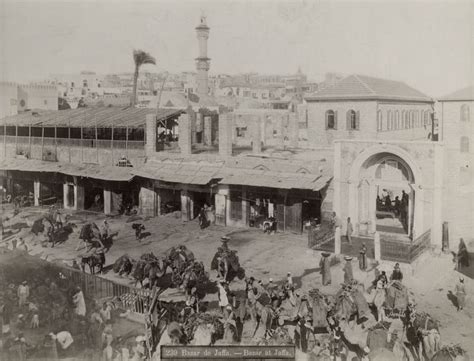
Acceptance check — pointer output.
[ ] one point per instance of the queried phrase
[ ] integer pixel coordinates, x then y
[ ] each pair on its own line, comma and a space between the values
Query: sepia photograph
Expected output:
237, 180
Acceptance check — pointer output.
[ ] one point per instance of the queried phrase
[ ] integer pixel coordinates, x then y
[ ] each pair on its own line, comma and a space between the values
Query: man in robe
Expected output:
363, 257
397, 274
325, 267
460, 291
348, 274
23, 293
79, 302
463, 255
349, 230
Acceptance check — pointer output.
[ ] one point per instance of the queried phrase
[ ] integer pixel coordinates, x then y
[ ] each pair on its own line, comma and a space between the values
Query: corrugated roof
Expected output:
269, 179
465, 94
232, 173
95, 171
365, 87
179, 171
87, 117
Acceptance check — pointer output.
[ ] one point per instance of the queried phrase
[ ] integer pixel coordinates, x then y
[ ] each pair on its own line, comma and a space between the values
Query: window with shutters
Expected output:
465, 113
464, 144
331, 119
352, 120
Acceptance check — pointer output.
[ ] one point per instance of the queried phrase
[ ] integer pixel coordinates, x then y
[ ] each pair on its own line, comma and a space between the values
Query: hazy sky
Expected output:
429, 45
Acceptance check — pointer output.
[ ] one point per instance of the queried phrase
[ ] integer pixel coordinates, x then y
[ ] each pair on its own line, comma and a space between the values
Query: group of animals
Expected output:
346, 316
186, 271
54, 227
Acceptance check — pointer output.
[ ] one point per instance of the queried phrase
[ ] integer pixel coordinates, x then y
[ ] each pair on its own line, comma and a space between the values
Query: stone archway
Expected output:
382, 168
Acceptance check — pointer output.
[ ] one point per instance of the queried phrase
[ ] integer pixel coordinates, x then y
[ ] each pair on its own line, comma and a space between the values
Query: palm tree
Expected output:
140, 58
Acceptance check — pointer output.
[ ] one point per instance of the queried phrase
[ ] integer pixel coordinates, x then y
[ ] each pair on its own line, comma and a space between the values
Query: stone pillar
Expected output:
207, 132
107, 201
220, 205
225, 134
158, 201
245, 208
377, 249
418, 226
78, 196
184, 140
186, 205
337, 240
150, 134
336, 205
263, 130
200, 126
147, 201
256, 135
437, 225
36, 192
193, 116
280, 129
293, 129
372, 207
65, 195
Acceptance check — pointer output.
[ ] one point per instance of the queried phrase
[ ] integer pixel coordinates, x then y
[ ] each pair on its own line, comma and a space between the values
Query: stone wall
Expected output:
458, 200
369, 111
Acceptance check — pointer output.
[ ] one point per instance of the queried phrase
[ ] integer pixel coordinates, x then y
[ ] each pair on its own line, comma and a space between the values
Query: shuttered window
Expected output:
331, 119
352, 119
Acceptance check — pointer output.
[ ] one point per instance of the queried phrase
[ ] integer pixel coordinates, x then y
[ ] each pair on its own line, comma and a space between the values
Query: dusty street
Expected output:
264, 256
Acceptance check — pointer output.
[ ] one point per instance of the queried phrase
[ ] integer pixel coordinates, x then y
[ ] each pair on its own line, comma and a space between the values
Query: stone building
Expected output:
456, 132
16, 98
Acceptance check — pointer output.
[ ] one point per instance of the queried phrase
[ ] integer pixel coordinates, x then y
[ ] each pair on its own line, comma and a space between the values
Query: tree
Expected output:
140, 58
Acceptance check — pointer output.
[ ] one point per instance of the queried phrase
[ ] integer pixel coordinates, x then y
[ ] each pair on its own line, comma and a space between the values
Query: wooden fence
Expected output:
127, 297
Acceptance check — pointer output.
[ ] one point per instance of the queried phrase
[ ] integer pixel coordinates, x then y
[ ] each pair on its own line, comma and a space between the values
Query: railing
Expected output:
129, 298
322, 239
422, 243
404, 252
74, 142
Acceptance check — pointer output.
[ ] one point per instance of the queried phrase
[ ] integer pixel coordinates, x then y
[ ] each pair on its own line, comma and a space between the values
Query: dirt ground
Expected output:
263, 256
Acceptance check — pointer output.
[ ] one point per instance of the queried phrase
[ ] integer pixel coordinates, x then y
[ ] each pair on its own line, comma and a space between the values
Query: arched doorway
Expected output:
384, 193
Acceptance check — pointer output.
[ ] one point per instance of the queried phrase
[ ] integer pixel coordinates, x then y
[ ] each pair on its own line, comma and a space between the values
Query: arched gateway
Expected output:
384, 192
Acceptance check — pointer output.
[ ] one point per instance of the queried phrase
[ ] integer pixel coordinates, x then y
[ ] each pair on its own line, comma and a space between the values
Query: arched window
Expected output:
465, 113
397, 120
464, 144
389, 120
352, 118
331, 119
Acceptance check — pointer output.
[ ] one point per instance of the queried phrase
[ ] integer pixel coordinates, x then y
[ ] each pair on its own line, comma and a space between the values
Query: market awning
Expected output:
270, 179
198, 173
95, 171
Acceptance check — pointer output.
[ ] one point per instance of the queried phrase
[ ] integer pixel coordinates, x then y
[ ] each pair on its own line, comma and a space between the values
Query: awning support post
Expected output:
42, 142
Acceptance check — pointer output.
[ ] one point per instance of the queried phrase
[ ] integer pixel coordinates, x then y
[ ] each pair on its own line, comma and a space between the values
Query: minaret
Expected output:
202, 61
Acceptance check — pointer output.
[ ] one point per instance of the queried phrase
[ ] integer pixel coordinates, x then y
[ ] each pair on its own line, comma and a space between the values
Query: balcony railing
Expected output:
73, 142
321, 238
397, 251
